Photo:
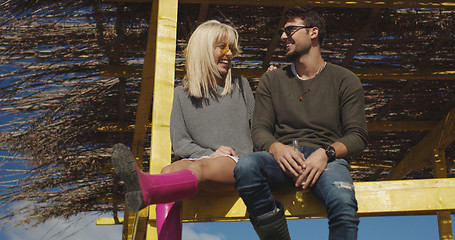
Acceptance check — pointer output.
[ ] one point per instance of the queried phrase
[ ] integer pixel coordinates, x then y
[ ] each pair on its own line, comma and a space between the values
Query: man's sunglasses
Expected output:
290, 30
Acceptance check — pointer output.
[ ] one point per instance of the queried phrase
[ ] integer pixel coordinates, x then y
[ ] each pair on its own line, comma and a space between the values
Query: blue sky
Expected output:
371, 228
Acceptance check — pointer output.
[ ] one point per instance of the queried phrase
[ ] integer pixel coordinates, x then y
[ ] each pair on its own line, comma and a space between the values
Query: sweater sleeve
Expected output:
182, 143
353, 120
263, 117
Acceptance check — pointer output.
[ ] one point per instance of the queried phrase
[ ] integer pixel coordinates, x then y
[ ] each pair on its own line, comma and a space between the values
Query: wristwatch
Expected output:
330, 152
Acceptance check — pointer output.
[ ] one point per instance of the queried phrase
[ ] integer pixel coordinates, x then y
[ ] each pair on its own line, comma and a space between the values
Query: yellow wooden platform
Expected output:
404, 197
407, 197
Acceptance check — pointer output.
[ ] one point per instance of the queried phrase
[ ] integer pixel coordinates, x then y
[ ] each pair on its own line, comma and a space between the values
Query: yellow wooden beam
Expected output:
444, 217
377, 198
164, 18
121, 71
445, 225
401, 125
360, 37
439, 161
109, 221
421, 155
161, 43
371, 74
274, 42
408, 74
128, 225
325, 3
142, 118
372, 126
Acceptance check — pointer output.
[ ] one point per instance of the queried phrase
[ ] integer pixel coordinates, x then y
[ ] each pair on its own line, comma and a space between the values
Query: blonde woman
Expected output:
210, 129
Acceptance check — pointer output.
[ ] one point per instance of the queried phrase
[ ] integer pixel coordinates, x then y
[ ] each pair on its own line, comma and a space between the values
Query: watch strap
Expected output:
330, 152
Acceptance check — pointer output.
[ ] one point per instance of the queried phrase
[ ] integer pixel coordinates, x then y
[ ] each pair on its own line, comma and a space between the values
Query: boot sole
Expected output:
125, 167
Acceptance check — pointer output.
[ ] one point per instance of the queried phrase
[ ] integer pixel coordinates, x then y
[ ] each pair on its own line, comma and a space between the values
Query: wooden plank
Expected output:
360, 37
372, 126
142, 118
374, 198
325, 3
421, 155
444, 218
445, 225
370, 74
164, 21
377, 198
275, 42
401, 125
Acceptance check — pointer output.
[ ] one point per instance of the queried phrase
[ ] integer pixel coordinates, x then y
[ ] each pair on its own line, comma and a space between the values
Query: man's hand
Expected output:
223, 151
315, 165
291, 161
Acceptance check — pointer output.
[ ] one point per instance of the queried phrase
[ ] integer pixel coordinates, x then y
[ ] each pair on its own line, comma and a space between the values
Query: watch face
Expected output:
330, 152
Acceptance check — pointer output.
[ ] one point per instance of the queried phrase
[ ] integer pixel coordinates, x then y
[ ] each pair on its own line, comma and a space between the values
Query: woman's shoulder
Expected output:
179, 91
181, 95
241, 80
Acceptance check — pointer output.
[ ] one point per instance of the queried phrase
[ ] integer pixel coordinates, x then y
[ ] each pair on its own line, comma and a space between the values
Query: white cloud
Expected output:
84, 227
190, 234
78, 227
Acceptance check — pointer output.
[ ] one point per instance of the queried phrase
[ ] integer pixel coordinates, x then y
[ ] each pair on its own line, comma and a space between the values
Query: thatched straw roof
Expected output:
69, 70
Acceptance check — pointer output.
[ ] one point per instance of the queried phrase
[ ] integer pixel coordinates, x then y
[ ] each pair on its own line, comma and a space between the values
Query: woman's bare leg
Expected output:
213, 174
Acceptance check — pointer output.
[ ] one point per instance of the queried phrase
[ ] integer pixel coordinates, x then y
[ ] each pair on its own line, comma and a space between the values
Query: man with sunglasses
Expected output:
318, 106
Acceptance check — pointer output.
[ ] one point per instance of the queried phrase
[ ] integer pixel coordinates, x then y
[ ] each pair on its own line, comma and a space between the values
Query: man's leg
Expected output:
256, 176
336, 190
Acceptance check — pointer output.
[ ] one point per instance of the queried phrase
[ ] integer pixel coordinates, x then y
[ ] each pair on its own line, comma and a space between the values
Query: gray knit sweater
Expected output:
200, 126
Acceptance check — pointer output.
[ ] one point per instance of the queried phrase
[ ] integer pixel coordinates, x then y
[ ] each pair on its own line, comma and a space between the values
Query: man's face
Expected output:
296, 38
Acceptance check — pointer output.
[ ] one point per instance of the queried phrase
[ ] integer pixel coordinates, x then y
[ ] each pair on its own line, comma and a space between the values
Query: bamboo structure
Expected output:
79, 76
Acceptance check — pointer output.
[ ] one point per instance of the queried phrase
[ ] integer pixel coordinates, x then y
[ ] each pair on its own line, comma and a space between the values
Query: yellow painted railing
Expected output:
403, 197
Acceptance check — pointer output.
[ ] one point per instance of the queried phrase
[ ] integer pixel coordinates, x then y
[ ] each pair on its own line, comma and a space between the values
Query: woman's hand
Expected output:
223, 151
271, 68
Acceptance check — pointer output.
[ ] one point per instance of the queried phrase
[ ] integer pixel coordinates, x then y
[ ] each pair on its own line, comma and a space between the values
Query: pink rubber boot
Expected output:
143, 189
168, 221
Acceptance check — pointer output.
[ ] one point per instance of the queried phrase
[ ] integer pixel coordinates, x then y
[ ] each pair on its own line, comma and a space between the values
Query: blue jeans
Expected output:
257, 175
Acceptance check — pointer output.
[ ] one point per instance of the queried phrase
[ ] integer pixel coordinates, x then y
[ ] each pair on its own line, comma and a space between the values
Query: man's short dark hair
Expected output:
310, 17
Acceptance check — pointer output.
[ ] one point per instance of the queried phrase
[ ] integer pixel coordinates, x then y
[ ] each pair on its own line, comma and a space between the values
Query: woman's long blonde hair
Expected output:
201, 69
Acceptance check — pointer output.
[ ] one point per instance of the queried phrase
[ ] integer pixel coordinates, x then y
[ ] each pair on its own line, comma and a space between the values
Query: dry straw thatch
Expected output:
52, 54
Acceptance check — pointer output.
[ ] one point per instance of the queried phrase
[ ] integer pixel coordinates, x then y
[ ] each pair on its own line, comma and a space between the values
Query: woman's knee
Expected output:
167, 169
193, 166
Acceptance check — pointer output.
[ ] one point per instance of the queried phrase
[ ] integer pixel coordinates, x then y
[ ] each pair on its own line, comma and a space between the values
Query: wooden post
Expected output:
444, 218
164, 20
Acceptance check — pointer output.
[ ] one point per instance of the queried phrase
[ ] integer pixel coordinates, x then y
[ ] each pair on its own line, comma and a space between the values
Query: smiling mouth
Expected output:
289, 43
224, 62
288, 46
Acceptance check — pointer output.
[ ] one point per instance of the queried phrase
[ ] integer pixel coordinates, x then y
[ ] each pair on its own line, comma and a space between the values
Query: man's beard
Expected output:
292, 56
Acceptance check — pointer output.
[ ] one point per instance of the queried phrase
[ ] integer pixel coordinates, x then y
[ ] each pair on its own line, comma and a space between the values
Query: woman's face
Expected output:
223, 56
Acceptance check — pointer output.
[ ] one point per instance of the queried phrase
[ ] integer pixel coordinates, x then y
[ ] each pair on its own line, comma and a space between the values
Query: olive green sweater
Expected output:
325, 109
